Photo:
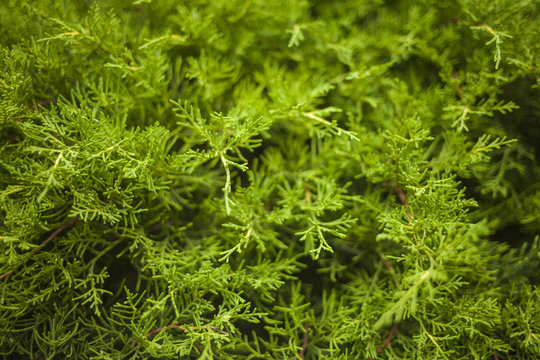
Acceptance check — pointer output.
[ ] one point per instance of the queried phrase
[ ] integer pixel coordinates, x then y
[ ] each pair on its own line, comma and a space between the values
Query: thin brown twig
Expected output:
388, 339
44, 243
199, 348
385, 262
403, 200
41, 103
304, 342
457, 86
495, 355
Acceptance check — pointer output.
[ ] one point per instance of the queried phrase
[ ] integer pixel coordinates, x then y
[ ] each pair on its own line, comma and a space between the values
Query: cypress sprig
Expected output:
269, 179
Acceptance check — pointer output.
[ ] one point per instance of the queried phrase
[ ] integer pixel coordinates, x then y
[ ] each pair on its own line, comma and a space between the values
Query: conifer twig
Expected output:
183, 328
304, 342
404, 202
32, 108
402, 198
44, 243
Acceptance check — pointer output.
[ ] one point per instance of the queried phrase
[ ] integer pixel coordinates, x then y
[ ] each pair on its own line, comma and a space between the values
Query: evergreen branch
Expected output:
332, 125
182, 328
178, 114
432, 339
497, 39
402, 198
44, 243
227, 187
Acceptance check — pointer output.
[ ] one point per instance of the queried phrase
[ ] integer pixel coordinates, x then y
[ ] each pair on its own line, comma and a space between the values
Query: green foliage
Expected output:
269, 179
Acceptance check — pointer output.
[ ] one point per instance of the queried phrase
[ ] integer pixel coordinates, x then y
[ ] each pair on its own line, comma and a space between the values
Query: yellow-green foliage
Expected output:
269, 179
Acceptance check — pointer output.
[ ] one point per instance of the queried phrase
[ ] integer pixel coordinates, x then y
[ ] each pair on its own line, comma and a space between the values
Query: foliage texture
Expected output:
254, 179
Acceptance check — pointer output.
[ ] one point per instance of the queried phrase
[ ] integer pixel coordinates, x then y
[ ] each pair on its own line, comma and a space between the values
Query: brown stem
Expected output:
304, 342
385, 261
44, 243
388, 339
495, 356
158, 227
403, 200
41, 103
458, 87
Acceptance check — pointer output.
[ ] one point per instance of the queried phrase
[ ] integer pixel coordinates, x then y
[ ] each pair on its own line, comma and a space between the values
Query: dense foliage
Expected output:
235, 179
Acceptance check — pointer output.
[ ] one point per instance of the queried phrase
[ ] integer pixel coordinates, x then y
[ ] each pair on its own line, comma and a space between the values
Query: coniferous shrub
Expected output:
226, 179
